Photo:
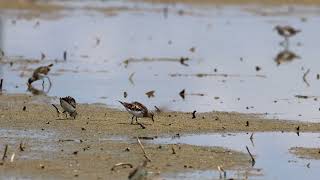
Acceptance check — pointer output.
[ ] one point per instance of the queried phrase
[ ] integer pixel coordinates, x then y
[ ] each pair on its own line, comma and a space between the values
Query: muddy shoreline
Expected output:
60, 148
305, 152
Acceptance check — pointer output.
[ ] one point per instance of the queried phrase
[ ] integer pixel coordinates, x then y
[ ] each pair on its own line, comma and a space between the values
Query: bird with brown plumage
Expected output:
40, 74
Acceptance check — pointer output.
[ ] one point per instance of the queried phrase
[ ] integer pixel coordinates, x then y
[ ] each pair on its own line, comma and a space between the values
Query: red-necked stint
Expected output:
69, 106
286, 31
138, 110
40, 73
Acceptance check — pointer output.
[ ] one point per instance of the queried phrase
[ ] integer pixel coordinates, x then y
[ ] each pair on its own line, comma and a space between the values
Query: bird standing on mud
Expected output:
39, 74
138, 110
69, 106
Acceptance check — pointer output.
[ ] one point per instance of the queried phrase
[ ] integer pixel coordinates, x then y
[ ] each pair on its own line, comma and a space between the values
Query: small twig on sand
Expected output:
1, 81
12, 157
5, 152
21, 146
144, 152
121, 164
298, 130
253, 161
141, 125
173, 150
58, 112
305, 77
194, 114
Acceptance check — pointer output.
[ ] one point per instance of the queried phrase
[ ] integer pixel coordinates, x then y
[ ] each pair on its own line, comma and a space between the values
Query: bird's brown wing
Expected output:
70, 100
139, 107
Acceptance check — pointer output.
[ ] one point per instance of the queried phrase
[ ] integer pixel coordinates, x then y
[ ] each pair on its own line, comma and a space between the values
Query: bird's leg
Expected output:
132, 119
136, 119
42, 84
49, 80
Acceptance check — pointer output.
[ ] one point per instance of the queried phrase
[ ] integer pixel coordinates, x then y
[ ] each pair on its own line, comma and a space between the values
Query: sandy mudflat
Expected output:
306, 153
83, 148
87, 147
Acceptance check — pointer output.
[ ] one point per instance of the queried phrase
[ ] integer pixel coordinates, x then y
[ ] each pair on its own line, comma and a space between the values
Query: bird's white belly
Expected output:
136, 113
67, 107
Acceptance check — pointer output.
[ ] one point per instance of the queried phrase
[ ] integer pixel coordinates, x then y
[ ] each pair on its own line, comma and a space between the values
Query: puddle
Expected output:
271, 151
36, 141
222, 47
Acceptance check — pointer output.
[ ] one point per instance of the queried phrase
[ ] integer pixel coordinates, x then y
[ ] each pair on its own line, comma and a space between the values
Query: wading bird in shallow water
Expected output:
39, 74
138, 110
286, 32
69, 106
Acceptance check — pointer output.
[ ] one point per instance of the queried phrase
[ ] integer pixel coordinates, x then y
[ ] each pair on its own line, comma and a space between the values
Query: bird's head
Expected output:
30, 80
277, 27
74, 114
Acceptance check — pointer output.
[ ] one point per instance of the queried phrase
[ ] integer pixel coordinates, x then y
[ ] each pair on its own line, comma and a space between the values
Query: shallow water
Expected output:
271, 151
231, 40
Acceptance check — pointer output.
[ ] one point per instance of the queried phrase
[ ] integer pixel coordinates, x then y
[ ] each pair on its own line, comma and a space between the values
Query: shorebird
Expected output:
40, 73
286, 31
285, 56
138, 110
69, 106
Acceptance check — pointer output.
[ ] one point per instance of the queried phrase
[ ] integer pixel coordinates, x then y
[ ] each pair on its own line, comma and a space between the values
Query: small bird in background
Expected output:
39, 74
138, 110
139, 173
69, 106
285, 56
286, 32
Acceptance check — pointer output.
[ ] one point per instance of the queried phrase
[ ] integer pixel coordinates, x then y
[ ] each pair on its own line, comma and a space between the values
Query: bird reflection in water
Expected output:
285, 56
36, 91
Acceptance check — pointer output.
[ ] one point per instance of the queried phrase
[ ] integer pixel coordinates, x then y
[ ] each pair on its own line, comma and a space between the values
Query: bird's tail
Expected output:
50, 65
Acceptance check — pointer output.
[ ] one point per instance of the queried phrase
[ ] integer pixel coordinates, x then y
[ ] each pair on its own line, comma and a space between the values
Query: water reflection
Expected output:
35, 91
271, 151
286, 56
222, 60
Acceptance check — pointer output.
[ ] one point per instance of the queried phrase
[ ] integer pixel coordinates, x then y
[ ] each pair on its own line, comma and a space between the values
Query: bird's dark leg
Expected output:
42, 84
132, 119
136, 119
49, 80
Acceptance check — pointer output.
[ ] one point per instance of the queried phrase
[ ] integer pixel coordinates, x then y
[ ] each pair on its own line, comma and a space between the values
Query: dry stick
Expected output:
141, 125
21, 147
144, 152
194, 114
305, 77
121, 164
253, 161
5, 152
1, 81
